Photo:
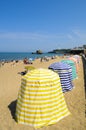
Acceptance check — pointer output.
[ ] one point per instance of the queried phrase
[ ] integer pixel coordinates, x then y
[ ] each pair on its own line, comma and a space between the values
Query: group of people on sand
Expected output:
27, 61
46, 58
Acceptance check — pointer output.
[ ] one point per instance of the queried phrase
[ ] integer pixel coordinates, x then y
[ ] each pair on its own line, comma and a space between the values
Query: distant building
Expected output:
84, 46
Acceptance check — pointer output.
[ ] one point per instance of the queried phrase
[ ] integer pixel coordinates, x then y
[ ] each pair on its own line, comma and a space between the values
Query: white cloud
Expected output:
31, 36
70, 36
75, 36
79, 34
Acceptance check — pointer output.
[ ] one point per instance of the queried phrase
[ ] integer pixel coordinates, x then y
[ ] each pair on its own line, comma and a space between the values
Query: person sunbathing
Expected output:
26, 61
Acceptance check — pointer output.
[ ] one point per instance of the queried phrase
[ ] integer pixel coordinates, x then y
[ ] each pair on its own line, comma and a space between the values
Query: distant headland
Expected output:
68, 51
76, 50
38, 52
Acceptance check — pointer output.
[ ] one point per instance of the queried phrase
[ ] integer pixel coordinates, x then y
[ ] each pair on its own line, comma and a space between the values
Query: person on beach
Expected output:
26, 61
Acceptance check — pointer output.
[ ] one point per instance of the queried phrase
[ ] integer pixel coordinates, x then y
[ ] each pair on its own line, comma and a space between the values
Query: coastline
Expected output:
10, 81
11, 56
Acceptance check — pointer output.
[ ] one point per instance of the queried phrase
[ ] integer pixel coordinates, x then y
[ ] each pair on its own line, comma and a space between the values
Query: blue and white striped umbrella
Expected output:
65, 73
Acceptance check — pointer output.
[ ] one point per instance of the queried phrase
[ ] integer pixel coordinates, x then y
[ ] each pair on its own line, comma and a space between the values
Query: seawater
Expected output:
7, 56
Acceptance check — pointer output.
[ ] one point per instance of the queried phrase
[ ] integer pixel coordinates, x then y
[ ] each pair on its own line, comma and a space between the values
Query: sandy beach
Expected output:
10, 81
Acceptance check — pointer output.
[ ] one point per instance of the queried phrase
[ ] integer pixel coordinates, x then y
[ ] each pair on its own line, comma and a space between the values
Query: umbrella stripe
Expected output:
32, 101
47, 80
26, 112
43, 87
30, 108
62, 71
65, 82
40, 80
44, 115
31, 116
68, 79
65, 73
41, 103
39, 97
40, 75
44, 84
51, 120
38, 120
39, 92
33, 106
66, 86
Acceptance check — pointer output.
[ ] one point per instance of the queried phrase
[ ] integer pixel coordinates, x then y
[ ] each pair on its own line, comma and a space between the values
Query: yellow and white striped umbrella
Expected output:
40, 99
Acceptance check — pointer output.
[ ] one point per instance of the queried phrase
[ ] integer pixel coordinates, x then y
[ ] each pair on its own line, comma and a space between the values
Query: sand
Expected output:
10, 80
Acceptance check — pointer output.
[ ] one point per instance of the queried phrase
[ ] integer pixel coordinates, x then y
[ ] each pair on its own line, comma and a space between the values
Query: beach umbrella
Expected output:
75, 61
30, 59
77, 57
72, 64
40, 100
65, 73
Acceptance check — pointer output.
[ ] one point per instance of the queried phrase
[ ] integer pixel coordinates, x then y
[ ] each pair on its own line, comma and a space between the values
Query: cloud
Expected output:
74, 36
16, 35
79, 34
69, 36
27, 35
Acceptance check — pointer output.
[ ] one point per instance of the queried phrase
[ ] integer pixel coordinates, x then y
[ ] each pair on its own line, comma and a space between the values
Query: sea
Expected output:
8, 56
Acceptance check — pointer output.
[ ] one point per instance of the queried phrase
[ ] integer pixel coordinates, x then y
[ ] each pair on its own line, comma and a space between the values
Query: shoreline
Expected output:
11, 56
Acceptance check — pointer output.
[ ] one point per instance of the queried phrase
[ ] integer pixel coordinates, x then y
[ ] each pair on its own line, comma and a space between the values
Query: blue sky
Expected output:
29, 25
